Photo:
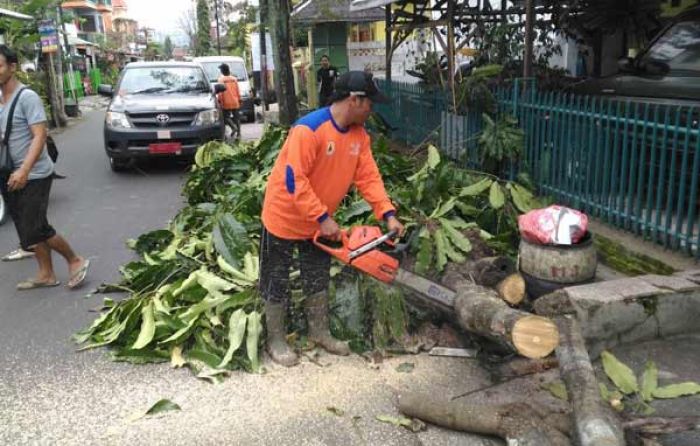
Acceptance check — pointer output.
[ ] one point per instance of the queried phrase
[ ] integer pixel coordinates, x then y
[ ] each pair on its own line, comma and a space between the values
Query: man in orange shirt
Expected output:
230, 99
326, 152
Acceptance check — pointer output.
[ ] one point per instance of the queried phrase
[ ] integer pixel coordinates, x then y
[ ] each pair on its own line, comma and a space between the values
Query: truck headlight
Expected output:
207, 117
117, 120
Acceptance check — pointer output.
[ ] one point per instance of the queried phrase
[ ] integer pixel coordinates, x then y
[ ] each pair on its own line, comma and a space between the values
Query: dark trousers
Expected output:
28, 207
276, 261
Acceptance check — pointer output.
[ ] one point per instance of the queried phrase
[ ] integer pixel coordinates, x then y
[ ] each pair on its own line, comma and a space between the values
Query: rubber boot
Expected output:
316, 307
276, 341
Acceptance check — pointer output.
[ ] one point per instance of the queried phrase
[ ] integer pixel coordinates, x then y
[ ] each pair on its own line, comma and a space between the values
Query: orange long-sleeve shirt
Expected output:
231, 98
313, 173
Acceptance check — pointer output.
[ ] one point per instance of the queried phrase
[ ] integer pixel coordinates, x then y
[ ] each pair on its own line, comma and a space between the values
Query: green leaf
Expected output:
231, 240
444, 209
252, 340
604, 391
456, 237
496, 197
163, 405
558, 389
621, 375
440, 249
650, 381
425, 252
236, 332
521, 197
213, 283
676, 390
405, 367
433, 156
176, 359
148, 327
476, 188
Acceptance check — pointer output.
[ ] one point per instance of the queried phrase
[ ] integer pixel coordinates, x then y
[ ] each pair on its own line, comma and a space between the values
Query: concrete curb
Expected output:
629, 310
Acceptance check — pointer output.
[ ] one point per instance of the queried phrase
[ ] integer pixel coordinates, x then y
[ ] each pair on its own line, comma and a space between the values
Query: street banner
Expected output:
49, 36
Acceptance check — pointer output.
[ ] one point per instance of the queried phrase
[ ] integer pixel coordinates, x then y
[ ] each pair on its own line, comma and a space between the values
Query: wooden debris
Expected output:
517, 423
524, 366
512, 289
454, 352
594, 423
480, 310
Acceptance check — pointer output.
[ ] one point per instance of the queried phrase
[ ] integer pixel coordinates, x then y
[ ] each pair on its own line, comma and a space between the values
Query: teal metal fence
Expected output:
633, 164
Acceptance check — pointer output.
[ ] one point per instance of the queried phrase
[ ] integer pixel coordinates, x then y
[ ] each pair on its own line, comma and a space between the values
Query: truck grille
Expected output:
159, 120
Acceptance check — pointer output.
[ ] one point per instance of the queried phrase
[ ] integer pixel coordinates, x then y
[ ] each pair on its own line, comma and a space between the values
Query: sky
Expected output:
162, 15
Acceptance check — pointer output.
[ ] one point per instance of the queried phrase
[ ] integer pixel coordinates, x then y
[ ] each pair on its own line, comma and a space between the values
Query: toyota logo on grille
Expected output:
162, 119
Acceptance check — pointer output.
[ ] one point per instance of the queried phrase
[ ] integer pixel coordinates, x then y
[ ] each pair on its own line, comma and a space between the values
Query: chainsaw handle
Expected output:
340, 252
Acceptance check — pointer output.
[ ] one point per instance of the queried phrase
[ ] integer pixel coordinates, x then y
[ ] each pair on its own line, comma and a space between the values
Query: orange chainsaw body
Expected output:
376, 263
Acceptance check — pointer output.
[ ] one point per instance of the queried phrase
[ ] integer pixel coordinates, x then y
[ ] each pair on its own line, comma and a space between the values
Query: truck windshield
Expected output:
162, 80
213, 73
678, 47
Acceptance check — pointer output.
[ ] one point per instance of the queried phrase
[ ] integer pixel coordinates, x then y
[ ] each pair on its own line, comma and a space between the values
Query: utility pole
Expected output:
218, 34
263, 54
71, 73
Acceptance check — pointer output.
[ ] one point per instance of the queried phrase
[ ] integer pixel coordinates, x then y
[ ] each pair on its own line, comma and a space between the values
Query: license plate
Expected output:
165, 148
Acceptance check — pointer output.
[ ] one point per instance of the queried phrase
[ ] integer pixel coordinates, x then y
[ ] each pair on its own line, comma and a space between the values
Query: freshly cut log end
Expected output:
512, 289
535, 336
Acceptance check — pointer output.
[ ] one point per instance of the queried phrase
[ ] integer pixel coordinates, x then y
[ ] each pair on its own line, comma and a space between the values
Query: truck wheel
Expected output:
118, 164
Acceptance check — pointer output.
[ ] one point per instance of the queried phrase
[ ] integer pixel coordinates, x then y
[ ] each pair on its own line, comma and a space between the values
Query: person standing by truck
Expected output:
230, 100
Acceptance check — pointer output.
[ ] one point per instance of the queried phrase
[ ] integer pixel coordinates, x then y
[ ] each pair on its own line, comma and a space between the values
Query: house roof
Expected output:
323, 11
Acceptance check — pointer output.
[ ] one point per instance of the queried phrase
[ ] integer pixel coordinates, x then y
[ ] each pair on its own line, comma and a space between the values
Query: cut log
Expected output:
480, 310
516, 422
594, 422
512, 289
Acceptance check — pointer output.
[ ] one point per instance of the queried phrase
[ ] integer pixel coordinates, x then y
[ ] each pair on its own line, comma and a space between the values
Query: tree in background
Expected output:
168, 48
187, 22
278, 21
203, 43
23, 37
237, 37
154, 51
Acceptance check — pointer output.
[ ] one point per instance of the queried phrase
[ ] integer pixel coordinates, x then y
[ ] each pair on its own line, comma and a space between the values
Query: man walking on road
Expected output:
326, 152
26, 187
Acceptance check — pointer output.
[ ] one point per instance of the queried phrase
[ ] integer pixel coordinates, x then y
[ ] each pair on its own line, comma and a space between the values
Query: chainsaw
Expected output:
362, 248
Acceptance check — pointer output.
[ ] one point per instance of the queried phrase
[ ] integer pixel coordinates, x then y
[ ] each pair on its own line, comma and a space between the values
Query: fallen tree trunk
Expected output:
516, 422
523, 366
594, 423
479, 310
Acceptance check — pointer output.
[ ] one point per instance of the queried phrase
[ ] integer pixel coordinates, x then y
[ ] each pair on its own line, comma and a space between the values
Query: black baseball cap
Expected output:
358, 83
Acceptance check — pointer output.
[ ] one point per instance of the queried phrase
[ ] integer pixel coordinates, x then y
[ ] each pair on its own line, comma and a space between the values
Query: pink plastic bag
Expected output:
555, 225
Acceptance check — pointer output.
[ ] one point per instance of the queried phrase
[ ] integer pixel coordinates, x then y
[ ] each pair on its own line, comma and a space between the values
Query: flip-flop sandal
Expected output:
78, 277
17, 254
32, 284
